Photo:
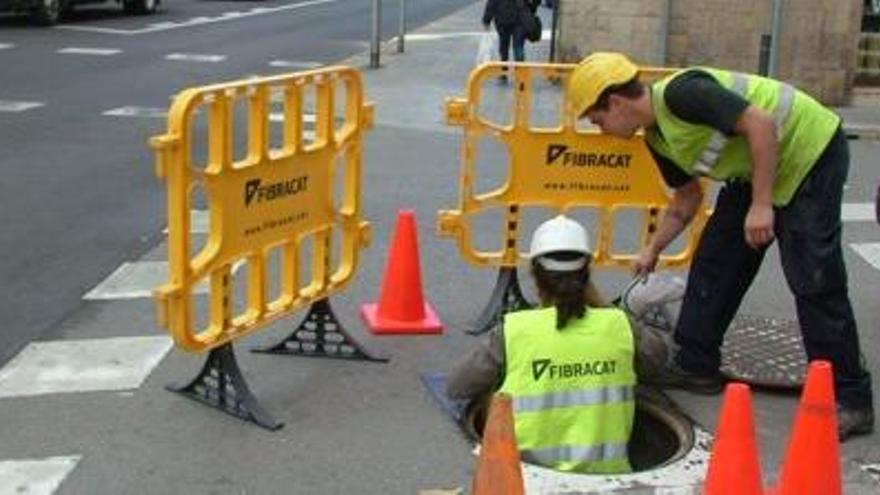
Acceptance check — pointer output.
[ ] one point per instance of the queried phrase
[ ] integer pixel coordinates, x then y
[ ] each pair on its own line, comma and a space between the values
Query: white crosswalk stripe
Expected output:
7, 46
858, 212
19, 106
102, 52
195, 57
869, 251
35, 476
134, 111
93, 365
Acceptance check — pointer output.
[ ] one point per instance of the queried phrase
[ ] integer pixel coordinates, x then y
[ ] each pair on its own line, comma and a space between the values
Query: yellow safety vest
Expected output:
804, 128
573, 389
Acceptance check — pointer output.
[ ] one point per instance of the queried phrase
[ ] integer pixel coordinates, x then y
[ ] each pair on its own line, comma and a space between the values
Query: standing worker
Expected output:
508, 18
568, 365
784, 160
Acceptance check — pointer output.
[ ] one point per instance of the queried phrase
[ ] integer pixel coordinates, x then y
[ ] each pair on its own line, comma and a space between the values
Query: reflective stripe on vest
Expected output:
570, 453
601, 395
710, 155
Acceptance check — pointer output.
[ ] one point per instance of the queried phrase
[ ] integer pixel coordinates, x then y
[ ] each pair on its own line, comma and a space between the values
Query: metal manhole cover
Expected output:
763, 351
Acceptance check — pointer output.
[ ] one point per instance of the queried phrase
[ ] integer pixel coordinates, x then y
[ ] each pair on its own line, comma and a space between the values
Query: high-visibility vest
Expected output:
804, 128
573, 389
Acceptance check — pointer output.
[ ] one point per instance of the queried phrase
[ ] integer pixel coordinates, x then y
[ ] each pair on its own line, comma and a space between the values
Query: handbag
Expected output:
531, 22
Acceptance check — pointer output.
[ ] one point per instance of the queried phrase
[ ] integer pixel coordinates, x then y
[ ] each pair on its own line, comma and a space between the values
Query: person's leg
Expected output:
809, 231
519, 43
720, 274
504, 35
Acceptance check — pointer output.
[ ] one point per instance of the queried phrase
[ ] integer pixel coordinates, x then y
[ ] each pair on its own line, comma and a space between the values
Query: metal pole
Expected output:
374, 41
401, 31
663, 35
775, 38
554, 23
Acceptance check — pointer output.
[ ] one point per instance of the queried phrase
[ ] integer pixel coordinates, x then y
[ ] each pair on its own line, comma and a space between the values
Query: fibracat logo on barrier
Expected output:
255, 191
574, 158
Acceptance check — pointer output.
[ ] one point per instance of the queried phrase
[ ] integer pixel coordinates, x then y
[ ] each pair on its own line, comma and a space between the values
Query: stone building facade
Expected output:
818, 49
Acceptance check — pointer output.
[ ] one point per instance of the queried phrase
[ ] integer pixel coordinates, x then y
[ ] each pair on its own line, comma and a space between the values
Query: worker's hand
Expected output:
485, 26
759, 226
646, 261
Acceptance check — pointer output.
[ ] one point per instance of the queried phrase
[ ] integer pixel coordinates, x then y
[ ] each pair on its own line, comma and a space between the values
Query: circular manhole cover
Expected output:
764, 351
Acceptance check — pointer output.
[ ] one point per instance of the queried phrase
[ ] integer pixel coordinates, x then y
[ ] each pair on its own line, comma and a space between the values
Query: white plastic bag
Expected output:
487, 47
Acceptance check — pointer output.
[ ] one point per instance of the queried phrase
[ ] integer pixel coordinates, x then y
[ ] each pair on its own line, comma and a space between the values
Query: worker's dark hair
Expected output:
631, 89
565, 290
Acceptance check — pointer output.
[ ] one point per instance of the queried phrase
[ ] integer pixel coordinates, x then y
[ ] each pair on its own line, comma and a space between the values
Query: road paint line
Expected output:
858, 212
872, 470
292, 64
36, 476
869, 251
78, 50
199, 222
132, 111
195, 57
158, 27
137, 280
19, 106
88, 365
308, 118
7, 46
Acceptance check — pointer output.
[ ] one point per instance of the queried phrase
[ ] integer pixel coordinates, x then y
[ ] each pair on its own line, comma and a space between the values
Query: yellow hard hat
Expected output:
596, 73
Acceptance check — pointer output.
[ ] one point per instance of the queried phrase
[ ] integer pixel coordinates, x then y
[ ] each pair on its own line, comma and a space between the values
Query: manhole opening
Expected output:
661, 433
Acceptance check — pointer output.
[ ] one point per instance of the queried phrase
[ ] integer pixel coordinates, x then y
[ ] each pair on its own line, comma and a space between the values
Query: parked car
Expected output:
47, 12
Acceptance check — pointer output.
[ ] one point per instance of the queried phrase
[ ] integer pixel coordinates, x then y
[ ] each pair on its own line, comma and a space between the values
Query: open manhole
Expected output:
666, 451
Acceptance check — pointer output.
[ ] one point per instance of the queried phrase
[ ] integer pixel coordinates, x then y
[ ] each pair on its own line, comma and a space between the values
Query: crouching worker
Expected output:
568, 366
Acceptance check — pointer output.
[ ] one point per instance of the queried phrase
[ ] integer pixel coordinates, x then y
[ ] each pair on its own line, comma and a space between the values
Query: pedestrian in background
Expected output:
784, 159
508, 18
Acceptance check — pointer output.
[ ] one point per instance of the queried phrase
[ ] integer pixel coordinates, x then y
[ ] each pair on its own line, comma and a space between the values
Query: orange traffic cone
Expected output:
812, 462
402, 307
734, 467
498, 468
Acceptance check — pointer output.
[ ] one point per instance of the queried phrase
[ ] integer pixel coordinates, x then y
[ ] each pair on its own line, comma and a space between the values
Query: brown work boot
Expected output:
854, 421
673, 376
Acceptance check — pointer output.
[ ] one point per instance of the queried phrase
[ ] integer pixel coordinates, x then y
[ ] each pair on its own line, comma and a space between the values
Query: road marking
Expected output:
294, 64
166, 26
195, 57
870, 251
6, 46
138, 279
35, 476
131, 111
872, 470
89, 365
858, 212
19, 106
199, 222
76, 50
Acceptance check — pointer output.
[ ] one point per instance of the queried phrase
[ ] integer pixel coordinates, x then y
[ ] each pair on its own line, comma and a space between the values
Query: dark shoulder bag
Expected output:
531, 22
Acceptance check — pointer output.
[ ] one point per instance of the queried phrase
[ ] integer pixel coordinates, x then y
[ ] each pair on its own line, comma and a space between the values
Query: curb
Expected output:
862, 131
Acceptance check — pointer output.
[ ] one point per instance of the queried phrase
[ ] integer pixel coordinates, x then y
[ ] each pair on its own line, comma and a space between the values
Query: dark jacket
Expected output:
507, 12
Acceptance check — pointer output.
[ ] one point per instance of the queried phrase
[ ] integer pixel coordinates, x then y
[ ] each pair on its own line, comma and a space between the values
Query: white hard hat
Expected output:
560, 234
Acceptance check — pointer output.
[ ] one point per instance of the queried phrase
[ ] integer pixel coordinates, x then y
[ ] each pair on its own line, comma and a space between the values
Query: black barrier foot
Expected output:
506, 297
221, 385
321, 335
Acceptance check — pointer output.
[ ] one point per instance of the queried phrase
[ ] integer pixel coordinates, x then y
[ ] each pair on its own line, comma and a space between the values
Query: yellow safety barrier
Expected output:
559, 167
271, 200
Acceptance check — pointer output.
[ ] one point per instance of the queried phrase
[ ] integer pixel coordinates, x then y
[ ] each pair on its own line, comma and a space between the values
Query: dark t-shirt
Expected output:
696, 97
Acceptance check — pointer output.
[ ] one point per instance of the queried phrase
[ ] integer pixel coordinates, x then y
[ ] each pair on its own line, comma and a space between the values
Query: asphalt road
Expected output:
79, 194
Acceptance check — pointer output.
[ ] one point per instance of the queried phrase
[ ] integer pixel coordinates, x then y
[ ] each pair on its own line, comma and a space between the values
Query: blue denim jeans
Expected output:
808, 232
517, 34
